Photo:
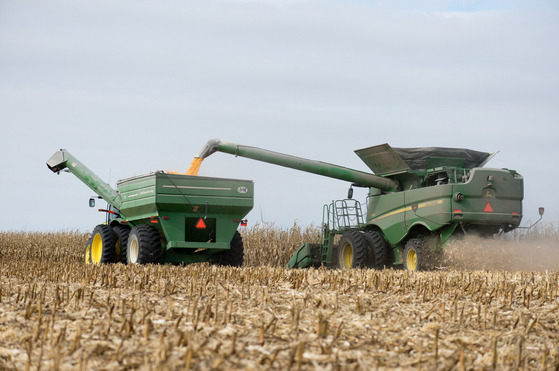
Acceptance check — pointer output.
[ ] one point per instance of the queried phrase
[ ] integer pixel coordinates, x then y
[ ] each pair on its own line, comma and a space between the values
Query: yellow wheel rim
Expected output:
347, 255
133, 250
87, 255
411, 260
96, 249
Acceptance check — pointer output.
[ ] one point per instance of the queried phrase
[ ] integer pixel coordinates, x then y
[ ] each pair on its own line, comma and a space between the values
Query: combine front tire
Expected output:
144, 245
353, 250
233, 257
102, 245
377, 249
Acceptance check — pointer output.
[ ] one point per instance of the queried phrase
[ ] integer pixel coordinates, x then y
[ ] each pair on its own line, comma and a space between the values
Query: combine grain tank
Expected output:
165, 217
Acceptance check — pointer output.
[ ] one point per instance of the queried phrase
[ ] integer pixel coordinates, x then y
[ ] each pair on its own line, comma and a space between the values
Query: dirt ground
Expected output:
59, 314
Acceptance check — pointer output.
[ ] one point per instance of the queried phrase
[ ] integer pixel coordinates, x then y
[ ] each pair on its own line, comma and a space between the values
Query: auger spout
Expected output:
356, 177
64, 160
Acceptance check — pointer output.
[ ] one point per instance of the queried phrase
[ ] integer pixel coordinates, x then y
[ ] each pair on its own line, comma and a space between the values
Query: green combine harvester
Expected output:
418, 199
165, 217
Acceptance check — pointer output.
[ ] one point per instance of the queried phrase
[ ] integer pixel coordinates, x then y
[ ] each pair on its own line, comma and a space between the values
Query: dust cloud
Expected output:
518, 254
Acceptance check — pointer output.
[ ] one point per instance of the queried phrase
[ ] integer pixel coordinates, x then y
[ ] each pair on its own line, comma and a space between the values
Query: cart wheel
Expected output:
87, 251
377, 250
233, 257
102, 245
144, 245
121, 236
353, 250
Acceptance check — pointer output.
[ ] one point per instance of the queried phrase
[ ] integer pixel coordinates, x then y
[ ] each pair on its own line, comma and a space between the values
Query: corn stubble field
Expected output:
494, 305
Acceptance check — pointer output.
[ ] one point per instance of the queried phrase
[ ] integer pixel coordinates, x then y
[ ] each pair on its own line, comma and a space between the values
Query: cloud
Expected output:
134, 86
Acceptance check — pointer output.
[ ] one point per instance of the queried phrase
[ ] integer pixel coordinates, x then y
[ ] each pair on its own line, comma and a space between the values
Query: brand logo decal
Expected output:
488, 193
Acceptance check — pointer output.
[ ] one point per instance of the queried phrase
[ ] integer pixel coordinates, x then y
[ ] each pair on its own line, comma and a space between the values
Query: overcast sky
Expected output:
130, 87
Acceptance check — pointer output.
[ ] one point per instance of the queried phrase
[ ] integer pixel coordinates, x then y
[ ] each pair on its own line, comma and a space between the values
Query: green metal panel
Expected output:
491, 196
447, 231
308, 255
433, 207
382, 160
138, 198
387, 213
198, 245
301, 258
175, 202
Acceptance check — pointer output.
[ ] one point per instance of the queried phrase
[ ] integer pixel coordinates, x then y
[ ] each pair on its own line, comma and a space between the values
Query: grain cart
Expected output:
418, 199
165, 217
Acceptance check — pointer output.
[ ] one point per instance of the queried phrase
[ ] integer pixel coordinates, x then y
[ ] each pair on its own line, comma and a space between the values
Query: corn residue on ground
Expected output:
59, 314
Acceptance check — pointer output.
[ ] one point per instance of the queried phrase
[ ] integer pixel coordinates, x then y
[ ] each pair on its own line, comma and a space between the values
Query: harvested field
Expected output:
57, 313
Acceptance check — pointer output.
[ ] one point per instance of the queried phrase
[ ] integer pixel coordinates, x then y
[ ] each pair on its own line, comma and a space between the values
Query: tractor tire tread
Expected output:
417, 245
234, 257
360, 249
378, 250
121, 233
149, 244
108, 243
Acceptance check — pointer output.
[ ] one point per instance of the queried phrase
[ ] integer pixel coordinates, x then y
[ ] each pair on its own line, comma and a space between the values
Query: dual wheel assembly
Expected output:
368, 249
113, 244
142, 245
362, 249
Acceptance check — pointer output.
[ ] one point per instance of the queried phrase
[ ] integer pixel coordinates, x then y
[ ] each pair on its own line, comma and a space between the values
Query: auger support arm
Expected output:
62, 159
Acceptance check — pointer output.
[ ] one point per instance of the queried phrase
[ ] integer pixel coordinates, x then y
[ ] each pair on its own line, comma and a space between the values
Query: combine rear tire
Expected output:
121, 236
233, 257
422, 253
413, 255
353, 250
102, 245
377, 250
144, 245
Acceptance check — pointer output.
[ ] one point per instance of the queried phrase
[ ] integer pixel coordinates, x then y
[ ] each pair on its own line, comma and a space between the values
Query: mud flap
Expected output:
447, 231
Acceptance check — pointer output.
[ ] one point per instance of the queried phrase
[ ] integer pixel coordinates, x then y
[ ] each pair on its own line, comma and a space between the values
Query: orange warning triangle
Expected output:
201, 224
488, 208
